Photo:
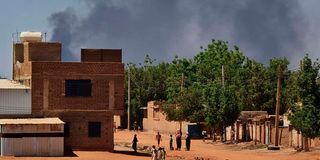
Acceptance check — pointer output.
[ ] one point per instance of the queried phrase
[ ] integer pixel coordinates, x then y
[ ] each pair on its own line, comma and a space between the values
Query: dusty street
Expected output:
216, 151
206, 150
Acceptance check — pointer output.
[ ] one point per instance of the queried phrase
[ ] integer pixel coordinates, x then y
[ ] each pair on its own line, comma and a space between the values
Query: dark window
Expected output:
94, 129
78, 88
67, 129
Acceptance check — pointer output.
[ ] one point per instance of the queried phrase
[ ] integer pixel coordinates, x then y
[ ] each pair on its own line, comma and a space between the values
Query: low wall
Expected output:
296, 140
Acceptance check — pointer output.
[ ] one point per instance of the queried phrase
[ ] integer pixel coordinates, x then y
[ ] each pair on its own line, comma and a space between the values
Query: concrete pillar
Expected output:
45, 94
237, 131
267, 136
111, 95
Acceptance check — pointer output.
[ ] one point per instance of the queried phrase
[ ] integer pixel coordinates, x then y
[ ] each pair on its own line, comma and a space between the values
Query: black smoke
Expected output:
271, 28
62, 31
263, 29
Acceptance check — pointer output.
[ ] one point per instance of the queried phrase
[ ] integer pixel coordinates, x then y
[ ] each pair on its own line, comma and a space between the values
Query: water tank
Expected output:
30, 36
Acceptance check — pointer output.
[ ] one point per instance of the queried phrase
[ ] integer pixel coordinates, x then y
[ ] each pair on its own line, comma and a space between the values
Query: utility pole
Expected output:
129, 98
278, 106
224, 136
181, 88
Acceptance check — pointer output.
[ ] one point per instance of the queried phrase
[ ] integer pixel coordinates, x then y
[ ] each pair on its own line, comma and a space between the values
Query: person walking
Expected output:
158, 138
134, 143
178, 140
135, 125
204, 135
188, 142
171, 142
154, 153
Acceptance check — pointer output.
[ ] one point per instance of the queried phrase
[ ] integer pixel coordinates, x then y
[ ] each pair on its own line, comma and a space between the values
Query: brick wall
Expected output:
44, 51
46, 77
78, 129
52, 94
18, 52
23, 73
77, 68
101, 55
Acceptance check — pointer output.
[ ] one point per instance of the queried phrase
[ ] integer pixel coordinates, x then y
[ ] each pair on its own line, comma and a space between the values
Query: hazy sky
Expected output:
263, 29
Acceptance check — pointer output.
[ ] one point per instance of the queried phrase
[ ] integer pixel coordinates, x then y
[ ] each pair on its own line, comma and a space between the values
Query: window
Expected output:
67, 129
94, 129
78, 88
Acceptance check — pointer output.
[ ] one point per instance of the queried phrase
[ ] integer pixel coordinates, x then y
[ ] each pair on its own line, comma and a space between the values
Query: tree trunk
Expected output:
213, 138
306, 144
225, 134
212, 134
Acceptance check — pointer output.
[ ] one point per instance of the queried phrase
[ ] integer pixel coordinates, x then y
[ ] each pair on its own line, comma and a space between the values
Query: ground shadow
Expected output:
66, 154
69, 153
142, 154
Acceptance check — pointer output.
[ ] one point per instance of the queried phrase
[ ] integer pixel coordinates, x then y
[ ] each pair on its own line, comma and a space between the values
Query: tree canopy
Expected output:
219, 82
306, 115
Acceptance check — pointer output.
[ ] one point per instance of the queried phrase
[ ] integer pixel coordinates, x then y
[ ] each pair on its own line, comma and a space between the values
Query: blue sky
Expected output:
24, 16
263, 29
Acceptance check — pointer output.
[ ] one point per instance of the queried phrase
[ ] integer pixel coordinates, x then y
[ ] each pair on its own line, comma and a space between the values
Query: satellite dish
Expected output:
18, 64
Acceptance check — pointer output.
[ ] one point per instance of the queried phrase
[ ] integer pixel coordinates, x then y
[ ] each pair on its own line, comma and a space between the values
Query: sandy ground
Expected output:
208, 150
216, 151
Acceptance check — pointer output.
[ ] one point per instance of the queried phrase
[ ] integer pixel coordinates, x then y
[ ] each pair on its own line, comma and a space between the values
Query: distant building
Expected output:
85, 95
156, 120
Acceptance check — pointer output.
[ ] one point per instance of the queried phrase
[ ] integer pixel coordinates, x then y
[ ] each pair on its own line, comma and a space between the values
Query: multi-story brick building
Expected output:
85, 95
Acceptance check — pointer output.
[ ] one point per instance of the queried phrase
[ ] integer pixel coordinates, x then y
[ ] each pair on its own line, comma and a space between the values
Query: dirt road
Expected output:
206, 150
216, 151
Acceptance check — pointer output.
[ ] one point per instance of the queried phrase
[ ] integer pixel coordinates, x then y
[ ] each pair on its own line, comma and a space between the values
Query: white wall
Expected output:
15, 101
32, 146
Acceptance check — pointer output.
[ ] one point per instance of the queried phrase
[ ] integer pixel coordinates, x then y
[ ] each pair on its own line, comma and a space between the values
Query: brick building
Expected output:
85, 95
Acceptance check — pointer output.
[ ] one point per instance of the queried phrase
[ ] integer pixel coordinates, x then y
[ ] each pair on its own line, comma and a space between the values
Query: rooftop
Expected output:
11, 84
31, 121
245, 115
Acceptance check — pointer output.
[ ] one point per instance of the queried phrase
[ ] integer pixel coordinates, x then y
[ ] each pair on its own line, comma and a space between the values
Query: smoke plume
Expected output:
164, 28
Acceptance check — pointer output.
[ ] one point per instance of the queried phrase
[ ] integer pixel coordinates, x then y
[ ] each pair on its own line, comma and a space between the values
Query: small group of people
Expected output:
179, 141
136, 127
158, 154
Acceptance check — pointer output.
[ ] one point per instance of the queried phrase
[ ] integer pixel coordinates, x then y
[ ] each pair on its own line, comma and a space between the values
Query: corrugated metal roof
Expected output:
31, 121
10, 84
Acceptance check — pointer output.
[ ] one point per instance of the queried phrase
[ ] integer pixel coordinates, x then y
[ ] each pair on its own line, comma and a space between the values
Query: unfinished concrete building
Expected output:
85, 95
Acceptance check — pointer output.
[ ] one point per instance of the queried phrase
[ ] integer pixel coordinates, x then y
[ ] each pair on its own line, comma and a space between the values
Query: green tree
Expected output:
211, 96
187, 106
222, 103
306, 117
271, 85
147, 83
181, 74
251, 91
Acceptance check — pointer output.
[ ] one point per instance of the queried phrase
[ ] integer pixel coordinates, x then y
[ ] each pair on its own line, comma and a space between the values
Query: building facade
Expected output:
156, 120
85, 95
